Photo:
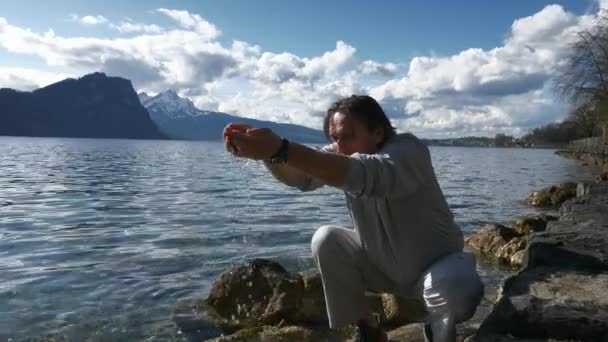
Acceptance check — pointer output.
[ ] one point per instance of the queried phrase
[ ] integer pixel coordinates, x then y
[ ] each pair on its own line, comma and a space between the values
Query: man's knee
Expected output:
453, 287
324, 240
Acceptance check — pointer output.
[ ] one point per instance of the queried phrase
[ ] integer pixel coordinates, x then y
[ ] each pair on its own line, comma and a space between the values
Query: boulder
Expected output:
546, 303
537, 223
259, 292
506, 253
400, 311
497, 242
490, 238
552, 196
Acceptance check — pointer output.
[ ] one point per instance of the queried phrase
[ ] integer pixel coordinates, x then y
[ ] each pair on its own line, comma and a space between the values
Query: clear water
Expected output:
100, 238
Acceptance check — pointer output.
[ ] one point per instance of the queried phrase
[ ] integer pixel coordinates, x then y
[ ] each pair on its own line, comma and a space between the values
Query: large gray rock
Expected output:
561, 292
261, 292
552, 196
548, 303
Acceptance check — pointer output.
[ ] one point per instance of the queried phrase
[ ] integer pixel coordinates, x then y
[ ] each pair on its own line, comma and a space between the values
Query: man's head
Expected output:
357, 124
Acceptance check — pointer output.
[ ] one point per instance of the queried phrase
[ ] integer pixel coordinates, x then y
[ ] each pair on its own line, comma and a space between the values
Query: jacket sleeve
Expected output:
302, 182
398, 170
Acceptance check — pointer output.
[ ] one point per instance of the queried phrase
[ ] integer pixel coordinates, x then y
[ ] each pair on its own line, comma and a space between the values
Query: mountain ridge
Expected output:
92, 106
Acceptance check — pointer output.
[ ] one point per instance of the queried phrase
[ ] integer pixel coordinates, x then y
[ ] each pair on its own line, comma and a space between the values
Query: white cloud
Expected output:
193, 22
175, 59
474, 91
369, 67
28, 79
130, 27
127, 26
90, 19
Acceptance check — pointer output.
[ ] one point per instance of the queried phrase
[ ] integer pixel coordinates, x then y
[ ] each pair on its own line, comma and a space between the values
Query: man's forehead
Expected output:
340, 123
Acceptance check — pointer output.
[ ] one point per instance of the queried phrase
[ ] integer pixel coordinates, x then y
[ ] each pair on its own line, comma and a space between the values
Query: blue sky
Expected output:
440, 68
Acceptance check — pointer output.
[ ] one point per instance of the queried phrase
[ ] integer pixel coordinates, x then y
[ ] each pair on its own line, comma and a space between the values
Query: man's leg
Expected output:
452, 290
346, 274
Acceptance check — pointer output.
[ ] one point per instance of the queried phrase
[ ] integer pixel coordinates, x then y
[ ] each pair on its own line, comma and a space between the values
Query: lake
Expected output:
100, 238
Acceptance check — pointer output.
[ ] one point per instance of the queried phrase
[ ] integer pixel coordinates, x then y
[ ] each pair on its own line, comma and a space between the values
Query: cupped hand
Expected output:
255, 143
228, 139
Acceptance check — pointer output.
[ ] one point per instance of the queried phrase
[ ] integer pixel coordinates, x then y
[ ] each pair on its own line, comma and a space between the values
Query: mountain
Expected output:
179, 118
93, 106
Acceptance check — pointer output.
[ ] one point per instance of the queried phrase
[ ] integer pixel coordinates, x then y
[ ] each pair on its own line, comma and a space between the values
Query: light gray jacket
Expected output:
398, 208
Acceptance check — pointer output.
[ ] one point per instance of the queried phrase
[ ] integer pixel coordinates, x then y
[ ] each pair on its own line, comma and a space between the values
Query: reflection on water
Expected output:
100, 238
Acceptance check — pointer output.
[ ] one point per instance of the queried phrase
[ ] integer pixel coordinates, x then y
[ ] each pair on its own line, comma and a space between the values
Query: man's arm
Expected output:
291, 176
326, 167
260, 143
399, 170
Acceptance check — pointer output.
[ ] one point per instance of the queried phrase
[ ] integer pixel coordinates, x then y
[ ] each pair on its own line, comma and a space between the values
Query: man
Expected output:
404, 240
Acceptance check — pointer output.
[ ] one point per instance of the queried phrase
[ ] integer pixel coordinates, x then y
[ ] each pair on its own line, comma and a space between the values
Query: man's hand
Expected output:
256, 143
228, 140
253, 143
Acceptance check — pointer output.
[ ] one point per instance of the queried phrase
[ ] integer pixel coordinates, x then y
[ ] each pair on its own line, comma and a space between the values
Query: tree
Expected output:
554, 134
584, 80
502, 140
587, 119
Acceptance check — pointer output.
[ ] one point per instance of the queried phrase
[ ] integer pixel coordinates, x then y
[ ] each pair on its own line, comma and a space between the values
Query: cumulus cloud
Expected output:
126, 26
474, 88
172, 59
28, 79
472, 92
90, 19
369, 67
131, 27
191, 21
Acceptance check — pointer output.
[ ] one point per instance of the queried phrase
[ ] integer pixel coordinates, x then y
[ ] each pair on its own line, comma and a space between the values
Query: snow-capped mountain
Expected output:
180, 119
170, 104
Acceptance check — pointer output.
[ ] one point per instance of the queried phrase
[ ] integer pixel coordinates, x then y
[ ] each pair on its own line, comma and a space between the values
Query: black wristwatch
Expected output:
280, 156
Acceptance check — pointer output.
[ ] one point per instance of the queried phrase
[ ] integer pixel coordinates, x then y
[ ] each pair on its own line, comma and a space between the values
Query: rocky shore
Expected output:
559, 292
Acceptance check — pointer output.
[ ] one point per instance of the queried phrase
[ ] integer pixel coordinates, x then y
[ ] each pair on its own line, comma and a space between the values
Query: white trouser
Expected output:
450, 287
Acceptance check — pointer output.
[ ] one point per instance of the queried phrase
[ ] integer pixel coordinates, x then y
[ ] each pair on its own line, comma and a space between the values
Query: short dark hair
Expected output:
363, 108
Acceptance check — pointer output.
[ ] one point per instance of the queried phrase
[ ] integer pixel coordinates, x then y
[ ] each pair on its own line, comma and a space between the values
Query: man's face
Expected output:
353, 136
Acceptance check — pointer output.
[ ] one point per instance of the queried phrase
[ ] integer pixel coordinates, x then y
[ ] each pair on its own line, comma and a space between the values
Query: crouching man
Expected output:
404, 241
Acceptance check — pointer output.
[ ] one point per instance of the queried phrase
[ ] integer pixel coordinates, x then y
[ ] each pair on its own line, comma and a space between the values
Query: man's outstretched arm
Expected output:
260, 143
326, 167
293, 177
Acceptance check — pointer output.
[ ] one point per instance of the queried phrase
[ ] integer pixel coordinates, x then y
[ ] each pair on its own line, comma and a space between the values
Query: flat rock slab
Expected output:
546, 303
